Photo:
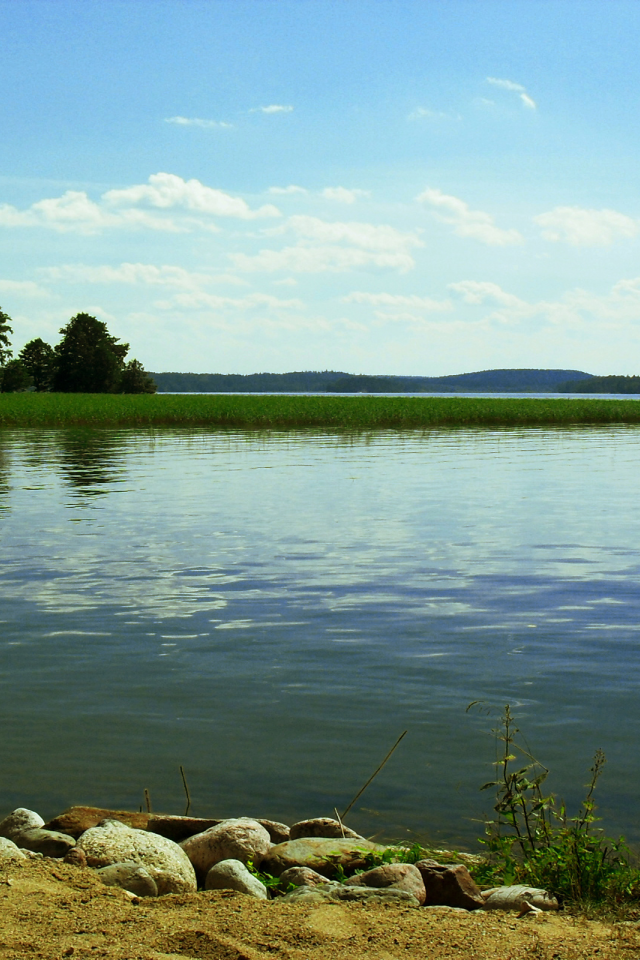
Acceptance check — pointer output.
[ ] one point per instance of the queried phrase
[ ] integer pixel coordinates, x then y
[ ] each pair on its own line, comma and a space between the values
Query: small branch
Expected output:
374, 774
186, 790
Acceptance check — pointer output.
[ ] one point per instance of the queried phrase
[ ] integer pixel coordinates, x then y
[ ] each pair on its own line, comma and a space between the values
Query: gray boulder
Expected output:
278, 832
18, 821
393, 876
322, 827
9, 851
301, 877
49, 843
338, 892
113, 842
129, 876
233, 875
320, 854
239, 839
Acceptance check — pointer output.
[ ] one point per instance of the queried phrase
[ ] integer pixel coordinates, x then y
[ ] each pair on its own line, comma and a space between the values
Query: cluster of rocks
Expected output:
314, 860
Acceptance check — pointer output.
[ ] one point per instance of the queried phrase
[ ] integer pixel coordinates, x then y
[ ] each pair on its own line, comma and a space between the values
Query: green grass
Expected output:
285, 412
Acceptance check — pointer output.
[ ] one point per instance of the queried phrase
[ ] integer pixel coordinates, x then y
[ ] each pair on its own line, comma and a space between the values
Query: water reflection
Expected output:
90, 460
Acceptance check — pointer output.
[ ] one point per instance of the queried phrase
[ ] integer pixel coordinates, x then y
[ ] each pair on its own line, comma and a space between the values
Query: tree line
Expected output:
86, 360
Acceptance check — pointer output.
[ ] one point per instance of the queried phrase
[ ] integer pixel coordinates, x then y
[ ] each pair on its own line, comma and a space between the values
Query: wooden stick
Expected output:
186, 790
374, 775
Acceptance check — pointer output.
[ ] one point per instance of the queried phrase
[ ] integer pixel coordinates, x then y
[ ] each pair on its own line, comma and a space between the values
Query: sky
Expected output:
372, 186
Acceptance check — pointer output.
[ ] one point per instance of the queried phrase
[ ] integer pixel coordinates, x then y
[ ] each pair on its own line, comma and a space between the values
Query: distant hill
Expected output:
602, 385
333, 381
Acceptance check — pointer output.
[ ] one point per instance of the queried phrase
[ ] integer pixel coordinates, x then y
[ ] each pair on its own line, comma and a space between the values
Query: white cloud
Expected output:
578, 311
24, 288
320, 259
466, 222
586, 228
199, 122
333, 246
515, 88
367, 235
199, 299
167, 190
292, 188
424, 113
477, 292
273, 108
398, 300
128, 273
75, 212
344, 195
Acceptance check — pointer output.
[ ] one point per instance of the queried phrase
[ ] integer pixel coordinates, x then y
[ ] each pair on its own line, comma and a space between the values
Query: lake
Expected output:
271, 610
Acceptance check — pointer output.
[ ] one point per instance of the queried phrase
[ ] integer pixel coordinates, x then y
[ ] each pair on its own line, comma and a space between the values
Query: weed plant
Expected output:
531, 839
291, 412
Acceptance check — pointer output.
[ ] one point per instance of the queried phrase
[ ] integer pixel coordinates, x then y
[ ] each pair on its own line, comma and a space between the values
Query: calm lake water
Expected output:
272, 610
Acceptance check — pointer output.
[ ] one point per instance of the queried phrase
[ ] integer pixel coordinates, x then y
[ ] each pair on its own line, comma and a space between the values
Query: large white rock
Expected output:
516, 896
18, 821
113, 842
233, 875
241, 839
9, 851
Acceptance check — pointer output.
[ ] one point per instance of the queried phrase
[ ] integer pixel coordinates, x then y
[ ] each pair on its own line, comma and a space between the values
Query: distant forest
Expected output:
333, 381
604, 385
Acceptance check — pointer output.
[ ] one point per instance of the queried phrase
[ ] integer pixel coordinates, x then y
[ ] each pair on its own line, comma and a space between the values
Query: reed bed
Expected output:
290, 412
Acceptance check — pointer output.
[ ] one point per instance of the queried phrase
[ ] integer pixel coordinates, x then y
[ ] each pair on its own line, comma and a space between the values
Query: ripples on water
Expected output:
272, 610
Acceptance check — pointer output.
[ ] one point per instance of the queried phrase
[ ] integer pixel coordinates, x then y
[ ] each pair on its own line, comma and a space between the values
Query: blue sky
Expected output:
412, 187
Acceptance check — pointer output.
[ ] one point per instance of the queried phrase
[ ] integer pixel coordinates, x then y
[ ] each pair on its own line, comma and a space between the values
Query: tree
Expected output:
88, 359
39, 359
5, 329
135, 379
14, 377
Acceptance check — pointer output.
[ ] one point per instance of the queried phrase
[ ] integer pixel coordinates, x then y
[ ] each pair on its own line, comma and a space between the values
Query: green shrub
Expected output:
531, 839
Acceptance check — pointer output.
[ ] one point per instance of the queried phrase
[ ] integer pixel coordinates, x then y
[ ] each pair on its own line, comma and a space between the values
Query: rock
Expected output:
129, 876
114, 842
21, 819
49, 843
76, 820
278, 832
9, 851
449, 886
242, 839
373, 895
306, 894
322, 827
393, 876
513, 898
76, 856
320, 854
336, 892
301, 877
178, 828
233, 875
